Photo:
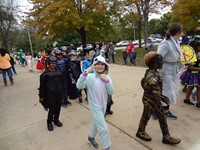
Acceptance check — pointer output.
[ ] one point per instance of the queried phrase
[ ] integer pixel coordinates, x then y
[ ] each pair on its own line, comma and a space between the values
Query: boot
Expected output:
170, 140
58, 123
5, 83
12, 82
50, 126
143, 136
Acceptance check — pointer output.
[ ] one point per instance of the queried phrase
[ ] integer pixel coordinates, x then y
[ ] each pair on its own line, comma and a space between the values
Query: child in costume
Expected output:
152, 97
62, 66
29, 61
41, 62
98, 85
50, 92
74, 72
86, 64
191, 77
22, 58
12, 62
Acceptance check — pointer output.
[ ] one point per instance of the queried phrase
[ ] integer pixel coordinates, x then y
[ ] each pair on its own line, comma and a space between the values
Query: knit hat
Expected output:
51, 59
72, 52
58, 52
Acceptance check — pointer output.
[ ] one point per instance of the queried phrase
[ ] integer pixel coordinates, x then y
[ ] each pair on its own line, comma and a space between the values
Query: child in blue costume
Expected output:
62, 64
99, 85
88, 61
86, 64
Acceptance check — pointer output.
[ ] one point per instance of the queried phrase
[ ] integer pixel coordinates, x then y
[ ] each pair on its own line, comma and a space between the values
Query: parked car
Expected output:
136, 42
88, 46
159, 40
122, 43
197, 37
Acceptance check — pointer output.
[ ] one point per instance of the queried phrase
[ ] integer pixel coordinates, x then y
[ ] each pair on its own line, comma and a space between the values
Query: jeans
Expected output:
13, 69
131, 61
9, 72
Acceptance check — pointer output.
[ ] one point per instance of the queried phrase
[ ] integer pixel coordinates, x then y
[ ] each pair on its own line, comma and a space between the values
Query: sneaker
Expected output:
93, 143
170, 115
50, 127
171, 140
188, 102
58, 123
143, 136
66, 104
108, 148
154, 116
197, 106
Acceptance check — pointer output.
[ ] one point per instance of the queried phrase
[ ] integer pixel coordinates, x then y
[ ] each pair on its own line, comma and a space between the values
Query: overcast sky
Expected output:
26, 6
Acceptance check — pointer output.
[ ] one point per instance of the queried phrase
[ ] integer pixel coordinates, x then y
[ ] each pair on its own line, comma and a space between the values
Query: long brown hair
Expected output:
173, 30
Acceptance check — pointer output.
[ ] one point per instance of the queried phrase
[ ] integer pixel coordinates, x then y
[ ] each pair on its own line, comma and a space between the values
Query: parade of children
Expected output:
66, 77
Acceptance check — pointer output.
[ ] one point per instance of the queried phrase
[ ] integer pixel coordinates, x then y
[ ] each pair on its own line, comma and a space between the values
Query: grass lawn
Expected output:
139, 59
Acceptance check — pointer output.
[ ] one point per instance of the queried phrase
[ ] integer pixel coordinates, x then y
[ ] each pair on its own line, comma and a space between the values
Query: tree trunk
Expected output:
5, 41
83, 35
139, 32
146, 18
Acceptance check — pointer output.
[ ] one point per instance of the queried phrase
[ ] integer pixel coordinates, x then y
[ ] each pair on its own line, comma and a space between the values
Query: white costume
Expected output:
29, 62
171, 53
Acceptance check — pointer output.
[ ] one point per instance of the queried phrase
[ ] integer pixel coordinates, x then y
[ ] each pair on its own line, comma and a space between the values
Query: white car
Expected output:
122, 43
159, 40
136, 42
88, 46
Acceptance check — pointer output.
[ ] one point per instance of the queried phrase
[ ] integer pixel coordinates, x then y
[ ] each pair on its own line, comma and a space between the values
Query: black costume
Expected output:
74, 72
51, 90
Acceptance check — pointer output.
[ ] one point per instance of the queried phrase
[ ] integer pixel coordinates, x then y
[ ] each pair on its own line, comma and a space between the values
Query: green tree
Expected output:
8, 16
89, 18
160, 26
187, 13
143, 8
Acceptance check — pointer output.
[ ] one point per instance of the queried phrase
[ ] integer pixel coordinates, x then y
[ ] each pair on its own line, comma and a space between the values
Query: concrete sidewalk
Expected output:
23, 120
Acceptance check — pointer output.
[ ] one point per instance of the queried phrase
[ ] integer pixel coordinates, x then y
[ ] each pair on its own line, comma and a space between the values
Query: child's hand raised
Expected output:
104, 77
90, 69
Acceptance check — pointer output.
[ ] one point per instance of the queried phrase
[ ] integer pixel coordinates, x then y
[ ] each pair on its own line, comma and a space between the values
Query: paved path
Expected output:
23, 120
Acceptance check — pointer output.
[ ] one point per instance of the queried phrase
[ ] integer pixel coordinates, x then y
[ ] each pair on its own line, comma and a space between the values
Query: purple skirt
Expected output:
190, 78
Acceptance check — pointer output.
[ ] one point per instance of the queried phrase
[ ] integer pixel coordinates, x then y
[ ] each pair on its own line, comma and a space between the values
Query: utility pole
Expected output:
29, 37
